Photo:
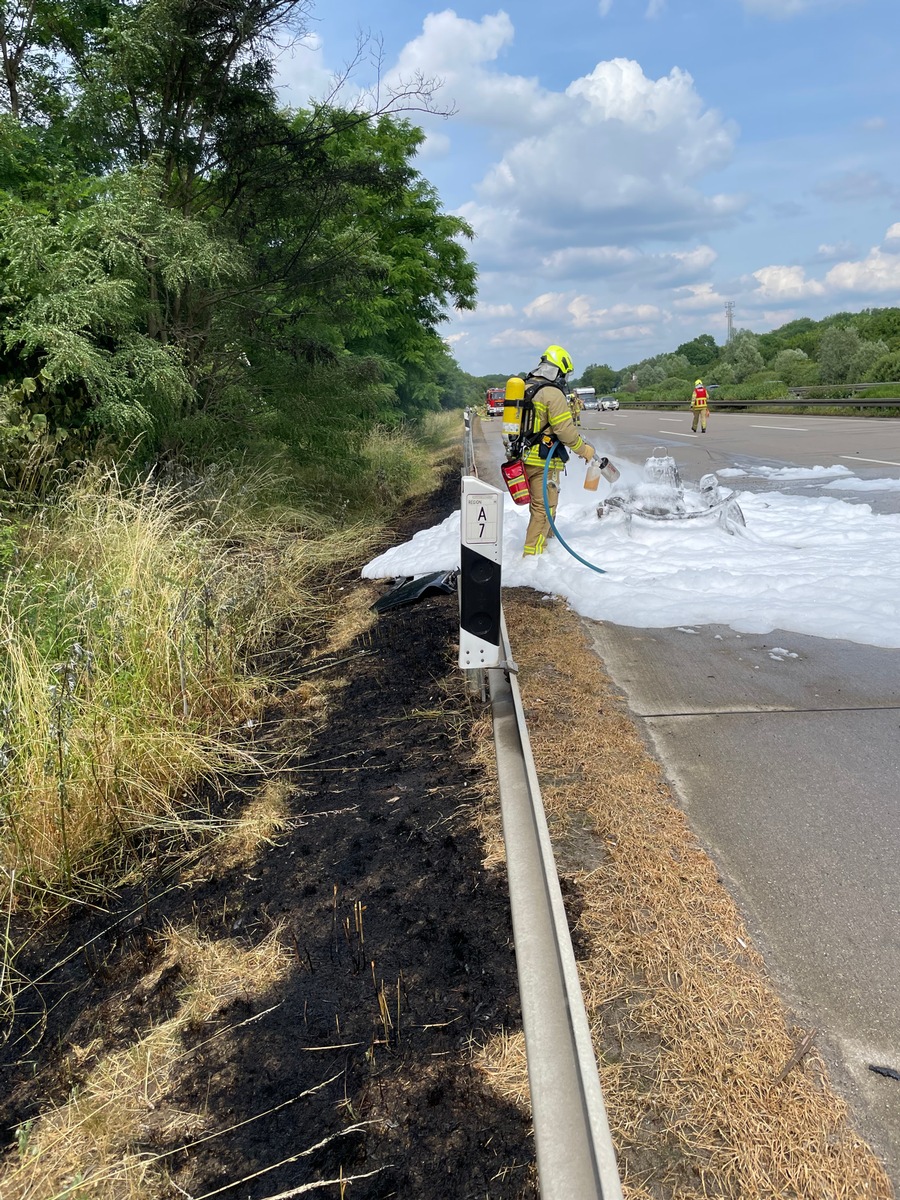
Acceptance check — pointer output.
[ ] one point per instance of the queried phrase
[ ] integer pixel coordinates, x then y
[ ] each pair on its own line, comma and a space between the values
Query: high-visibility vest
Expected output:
699, 398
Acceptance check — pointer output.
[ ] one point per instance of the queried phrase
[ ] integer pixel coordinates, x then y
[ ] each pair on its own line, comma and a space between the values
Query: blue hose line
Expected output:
559, 536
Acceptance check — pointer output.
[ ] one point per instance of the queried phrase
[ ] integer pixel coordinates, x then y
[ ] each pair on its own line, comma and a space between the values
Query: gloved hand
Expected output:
587, 452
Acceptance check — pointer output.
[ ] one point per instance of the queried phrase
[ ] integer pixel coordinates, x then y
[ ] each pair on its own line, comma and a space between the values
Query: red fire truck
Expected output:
494, 401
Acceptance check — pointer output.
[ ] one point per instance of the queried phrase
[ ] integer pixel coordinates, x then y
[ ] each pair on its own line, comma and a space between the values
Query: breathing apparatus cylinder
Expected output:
513, 405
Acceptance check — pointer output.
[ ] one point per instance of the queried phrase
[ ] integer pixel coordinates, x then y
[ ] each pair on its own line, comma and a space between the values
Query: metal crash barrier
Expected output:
575, 1155
469, 443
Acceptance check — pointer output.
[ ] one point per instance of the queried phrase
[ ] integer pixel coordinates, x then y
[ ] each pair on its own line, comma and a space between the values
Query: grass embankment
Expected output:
130, 618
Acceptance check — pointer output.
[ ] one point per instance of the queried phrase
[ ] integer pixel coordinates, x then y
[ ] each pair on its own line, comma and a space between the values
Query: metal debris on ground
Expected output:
887, 1072
661, 496
410, 589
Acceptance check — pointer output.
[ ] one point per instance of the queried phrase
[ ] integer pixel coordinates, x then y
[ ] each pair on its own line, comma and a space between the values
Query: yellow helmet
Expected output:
698, 383
559, 358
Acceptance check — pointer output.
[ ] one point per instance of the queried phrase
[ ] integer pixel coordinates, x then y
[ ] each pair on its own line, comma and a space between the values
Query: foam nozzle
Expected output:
606, 469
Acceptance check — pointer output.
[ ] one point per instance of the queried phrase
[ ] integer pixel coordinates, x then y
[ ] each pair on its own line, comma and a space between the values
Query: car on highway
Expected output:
592, 404
609, 404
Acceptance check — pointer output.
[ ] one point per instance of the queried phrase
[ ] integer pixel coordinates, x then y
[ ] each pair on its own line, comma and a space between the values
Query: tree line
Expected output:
189, 267
840, 349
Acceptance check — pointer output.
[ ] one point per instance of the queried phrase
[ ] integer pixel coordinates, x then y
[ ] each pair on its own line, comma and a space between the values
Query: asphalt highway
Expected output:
789, 771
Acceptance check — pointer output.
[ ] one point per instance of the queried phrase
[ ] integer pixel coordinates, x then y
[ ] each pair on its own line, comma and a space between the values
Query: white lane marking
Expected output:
793, 428
887, 462
675, 433
679, 419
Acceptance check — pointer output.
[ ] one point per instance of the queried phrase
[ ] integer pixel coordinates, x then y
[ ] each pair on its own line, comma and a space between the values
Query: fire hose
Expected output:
559, 537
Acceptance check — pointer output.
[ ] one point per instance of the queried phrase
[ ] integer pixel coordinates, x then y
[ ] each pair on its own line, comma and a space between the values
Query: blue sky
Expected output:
630, 165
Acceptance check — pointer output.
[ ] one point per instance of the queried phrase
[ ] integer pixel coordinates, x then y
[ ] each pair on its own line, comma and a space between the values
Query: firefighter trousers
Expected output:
700, 414
538, 525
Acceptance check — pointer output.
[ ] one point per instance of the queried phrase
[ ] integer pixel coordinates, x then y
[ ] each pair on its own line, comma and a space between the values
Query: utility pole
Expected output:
729, 316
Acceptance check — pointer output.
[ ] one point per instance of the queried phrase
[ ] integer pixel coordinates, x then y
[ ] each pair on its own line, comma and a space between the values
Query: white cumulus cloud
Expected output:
631, 268
699, 298
877, 272
462, 55
522, 339
623, 155
786, 283
486, 312
617, 316
302, 71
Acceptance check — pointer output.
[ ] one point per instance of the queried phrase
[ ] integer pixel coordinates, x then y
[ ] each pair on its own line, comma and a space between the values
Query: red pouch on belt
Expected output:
516, 480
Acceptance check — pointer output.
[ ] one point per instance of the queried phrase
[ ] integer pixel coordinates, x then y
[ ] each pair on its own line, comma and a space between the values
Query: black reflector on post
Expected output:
479, 596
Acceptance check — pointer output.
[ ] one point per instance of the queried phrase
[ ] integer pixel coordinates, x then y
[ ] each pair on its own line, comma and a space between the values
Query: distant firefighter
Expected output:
575, 406
699, 406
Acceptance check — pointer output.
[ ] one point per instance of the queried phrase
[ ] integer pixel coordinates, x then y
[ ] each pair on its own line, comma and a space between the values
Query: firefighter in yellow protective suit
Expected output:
552, 419
699, 406
575, 407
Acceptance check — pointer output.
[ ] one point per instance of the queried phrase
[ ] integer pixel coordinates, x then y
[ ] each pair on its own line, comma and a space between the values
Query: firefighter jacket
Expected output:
551, 415
699, 398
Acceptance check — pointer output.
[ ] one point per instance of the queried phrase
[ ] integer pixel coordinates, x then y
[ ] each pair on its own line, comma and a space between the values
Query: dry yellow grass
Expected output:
127, 630
502, 1058
691, 1036
86, 1146
353, 618
264, 817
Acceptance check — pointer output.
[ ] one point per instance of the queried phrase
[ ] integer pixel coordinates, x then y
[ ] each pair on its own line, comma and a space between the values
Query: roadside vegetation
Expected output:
846, 348
135, 621
221, 374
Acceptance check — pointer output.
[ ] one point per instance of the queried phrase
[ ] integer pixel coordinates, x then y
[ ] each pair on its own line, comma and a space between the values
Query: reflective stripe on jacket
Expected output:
699, 398
551, 412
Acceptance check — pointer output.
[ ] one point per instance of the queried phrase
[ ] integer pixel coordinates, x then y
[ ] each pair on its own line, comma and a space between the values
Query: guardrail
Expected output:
844, 387
784, 402
469, 467
575, 1155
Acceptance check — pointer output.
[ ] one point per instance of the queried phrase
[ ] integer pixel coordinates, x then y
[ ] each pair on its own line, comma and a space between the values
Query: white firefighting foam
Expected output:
811, 564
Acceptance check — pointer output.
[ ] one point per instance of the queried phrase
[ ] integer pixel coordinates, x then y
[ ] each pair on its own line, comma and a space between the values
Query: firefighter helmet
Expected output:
559, 358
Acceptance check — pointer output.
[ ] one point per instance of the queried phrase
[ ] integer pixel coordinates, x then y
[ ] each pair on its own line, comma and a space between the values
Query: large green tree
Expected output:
743, 354
86, 307
701, 351
794, 368
213, 256
601, 377
838, 347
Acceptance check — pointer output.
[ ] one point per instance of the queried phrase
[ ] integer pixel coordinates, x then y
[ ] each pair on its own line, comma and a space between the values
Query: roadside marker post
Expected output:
481, 547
